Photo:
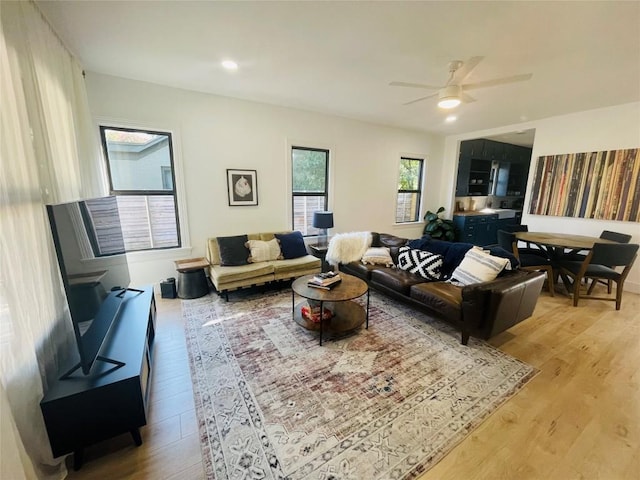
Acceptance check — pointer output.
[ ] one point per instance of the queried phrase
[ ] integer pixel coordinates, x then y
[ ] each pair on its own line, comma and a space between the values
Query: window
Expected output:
142, 177
409, 190
309, 178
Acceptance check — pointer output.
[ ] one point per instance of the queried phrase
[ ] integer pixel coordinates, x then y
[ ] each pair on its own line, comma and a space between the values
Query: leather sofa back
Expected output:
391, 241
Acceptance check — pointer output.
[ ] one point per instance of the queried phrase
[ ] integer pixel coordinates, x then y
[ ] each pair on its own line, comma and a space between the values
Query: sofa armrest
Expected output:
492, 307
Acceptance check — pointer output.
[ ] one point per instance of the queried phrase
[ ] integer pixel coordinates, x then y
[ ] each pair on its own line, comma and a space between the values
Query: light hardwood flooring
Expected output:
579, 418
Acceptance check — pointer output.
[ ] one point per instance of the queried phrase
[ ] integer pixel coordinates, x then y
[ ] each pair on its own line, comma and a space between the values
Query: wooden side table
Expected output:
192, 280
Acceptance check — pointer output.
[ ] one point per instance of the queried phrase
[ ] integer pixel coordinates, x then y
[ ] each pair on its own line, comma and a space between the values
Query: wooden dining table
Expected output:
560, 242
559, 246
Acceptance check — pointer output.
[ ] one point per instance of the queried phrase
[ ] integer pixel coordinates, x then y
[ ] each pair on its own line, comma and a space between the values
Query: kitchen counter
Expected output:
501, 212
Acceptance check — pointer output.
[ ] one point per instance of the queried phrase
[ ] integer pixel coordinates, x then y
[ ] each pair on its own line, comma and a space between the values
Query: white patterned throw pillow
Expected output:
426, 264
477, 266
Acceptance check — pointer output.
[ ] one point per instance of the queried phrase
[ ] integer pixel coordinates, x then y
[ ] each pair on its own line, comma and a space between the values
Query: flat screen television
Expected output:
91, 254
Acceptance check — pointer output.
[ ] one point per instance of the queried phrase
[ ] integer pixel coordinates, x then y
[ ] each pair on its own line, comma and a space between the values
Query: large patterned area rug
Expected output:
384, 403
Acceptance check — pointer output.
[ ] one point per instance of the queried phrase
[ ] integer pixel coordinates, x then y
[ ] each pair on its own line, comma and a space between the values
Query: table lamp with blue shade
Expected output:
322, 221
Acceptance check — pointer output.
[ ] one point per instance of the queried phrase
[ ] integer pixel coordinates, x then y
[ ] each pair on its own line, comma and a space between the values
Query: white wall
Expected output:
610, 128
213, 133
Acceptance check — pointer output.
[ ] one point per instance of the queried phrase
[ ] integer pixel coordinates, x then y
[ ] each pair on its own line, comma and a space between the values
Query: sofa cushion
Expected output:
442, 297
377, 256
359, 269
426, 264
292, 244
395, 279
477, 266
266, 236
221, 274
233, 251
293, 265
388, 240
261, 251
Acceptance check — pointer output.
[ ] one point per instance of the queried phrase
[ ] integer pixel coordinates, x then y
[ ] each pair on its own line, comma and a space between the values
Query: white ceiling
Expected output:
339, 57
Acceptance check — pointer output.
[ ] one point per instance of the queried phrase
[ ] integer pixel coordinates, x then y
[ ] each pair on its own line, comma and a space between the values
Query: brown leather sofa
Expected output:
482, 310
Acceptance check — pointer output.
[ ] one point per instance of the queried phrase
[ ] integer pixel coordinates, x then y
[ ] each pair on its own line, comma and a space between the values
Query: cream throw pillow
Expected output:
377, 256
477, 266
263, 251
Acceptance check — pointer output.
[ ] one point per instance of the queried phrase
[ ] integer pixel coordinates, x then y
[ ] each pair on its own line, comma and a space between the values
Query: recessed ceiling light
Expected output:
230, 65
450, 119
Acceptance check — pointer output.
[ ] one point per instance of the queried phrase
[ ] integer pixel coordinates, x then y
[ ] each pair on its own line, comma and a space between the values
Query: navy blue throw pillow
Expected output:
420, 243
233, 251
441, 247
455, 254
292, 245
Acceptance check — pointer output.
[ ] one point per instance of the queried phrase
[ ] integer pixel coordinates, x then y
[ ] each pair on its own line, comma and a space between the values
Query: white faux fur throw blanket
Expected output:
348, 247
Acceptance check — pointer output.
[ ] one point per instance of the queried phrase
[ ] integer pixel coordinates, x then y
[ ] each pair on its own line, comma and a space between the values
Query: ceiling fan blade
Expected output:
421, 98
462, 72
498, 81
466, 98
414, 85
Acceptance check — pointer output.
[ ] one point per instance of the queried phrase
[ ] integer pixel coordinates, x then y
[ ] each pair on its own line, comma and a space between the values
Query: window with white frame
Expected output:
142, 177
309, 186
409, 190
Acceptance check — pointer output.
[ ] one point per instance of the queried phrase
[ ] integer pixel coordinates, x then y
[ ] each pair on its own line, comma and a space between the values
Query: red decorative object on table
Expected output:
313, 314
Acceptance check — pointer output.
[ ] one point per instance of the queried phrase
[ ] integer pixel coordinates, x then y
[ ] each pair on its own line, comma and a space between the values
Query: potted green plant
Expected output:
439, 228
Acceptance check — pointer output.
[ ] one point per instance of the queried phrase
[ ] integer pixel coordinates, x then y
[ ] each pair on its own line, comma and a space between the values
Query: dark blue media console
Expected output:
113, 399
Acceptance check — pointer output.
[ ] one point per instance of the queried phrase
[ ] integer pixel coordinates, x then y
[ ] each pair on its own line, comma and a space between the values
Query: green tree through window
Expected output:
309, 172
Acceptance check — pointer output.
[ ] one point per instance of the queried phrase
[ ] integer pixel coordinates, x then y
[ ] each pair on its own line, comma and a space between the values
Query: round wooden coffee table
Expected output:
347, 315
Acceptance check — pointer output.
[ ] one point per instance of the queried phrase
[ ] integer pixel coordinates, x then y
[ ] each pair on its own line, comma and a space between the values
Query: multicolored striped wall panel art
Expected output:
599, 185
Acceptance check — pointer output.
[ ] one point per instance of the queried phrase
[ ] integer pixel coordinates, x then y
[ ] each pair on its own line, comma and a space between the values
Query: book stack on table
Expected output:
325, 281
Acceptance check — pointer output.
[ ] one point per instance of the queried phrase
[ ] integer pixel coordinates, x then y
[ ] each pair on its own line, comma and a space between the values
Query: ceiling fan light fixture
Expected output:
450, 102
229, 65
449, 97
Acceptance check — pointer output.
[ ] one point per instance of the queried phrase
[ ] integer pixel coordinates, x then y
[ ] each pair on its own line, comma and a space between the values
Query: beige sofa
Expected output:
226, 278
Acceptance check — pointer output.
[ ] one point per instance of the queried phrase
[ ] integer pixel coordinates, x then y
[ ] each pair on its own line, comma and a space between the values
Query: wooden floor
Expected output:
579, 418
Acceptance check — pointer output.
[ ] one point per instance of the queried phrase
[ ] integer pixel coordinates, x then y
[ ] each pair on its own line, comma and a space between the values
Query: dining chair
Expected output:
615, 236
523, 228
605, 235
531, 259
516, 228
600, 264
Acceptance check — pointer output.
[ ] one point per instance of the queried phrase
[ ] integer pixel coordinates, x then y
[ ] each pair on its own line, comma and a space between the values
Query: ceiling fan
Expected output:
452, 93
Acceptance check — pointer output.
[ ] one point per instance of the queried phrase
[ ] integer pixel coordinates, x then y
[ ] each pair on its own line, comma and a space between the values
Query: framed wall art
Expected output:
599, 185
242, 187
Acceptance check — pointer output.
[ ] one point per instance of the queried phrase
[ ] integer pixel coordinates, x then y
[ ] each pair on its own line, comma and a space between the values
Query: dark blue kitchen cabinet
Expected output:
477, 229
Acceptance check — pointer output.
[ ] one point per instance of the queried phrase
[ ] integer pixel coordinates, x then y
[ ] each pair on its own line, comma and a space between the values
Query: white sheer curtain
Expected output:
48, 155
